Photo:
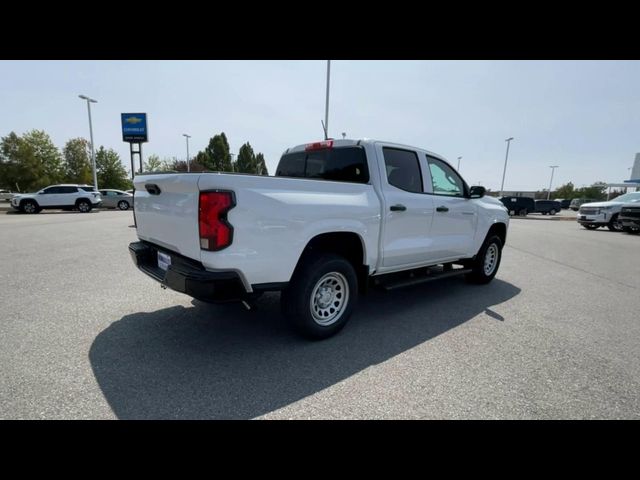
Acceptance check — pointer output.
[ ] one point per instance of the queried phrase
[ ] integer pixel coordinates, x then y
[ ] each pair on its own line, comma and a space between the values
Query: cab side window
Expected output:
403, 169
445, 180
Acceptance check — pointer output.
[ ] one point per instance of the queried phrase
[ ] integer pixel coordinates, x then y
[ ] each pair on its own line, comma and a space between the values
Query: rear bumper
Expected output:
188, 276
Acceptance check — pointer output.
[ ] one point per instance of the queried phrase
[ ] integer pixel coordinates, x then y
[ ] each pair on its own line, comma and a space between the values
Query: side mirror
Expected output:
477, 192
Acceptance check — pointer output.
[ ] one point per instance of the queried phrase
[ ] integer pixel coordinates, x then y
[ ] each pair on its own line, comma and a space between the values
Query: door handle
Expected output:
442, 209
398, 208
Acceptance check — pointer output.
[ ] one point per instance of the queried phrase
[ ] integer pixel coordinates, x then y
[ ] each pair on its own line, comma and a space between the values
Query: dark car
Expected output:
519, 205
576, 202
629, 217
564, 202
550, 207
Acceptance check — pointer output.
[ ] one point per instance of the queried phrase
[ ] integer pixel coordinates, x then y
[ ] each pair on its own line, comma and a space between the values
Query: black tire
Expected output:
84, 206
479, 274
523, 212
552, 211
29, 207
590, 227
123, 205
614, 225
309, 277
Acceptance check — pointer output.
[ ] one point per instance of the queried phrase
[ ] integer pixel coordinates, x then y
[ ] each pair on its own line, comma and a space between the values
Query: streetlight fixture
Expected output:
459, 163
508, 140
93, 153
187, 137
553, 169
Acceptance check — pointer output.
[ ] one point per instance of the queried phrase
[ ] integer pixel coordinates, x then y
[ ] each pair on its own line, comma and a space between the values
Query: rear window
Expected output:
346, 164
88, 189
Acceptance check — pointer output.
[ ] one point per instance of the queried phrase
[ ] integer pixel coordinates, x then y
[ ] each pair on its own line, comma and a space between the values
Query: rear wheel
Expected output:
321, 296
485, 265
84, 206
29, 206
123, 205
614, 224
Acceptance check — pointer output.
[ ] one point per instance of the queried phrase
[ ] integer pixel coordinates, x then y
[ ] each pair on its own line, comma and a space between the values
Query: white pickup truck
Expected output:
337, 217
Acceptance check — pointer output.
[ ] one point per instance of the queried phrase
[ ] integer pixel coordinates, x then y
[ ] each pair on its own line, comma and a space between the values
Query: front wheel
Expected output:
321, 296
29, 206
485, 265
552, 211
614, 225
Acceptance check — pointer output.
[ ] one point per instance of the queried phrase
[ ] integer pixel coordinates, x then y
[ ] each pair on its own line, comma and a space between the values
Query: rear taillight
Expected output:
216, 232
319, 145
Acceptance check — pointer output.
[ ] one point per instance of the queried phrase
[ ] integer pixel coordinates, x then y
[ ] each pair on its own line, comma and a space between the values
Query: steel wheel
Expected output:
490, 259
329, 298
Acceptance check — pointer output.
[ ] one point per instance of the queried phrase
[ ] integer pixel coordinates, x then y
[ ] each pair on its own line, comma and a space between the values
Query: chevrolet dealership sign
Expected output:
134, 127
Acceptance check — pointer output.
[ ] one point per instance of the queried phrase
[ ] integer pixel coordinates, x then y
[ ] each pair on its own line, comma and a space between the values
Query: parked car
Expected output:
67, 196
5, 195
550, 207
116, 199
605, 214
577, 202
519, 205
629, 217
564, 202
338, 216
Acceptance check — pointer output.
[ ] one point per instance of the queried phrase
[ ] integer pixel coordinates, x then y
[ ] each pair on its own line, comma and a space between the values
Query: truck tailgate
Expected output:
166, 211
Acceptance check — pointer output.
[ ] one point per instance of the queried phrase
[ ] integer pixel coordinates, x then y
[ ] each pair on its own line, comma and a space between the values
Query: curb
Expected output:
546, 219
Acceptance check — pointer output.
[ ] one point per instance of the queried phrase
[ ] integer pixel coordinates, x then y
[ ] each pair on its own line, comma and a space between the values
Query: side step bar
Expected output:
406, 282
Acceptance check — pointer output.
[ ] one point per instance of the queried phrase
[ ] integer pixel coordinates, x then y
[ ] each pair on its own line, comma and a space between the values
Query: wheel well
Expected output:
81, 199
25, 200
499, 229
346, 244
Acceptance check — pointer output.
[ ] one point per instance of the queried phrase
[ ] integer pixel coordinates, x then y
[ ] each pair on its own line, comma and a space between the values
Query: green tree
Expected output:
246, 159
566, 191
217, 157
597, 191
111, 172
29, 162
154, 164
77, 161
261, 165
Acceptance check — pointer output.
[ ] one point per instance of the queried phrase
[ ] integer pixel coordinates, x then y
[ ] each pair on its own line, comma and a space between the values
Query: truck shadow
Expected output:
222, 362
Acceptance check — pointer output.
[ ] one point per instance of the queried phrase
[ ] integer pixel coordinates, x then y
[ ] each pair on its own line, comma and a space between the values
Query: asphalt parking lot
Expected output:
86, 336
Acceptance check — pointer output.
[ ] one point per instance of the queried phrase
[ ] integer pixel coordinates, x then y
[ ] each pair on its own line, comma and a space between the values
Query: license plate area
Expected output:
164, 260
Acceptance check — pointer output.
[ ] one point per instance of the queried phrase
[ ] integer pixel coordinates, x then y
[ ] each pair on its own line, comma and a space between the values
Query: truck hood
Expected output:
611, 203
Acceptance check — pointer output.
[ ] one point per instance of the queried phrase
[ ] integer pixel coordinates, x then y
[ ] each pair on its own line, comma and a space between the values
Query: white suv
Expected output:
66, 196
605, 214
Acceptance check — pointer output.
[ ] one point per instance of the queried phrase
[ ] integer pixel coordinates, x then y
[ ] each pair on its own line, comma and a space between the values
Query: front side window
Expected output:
445, 180
403, 169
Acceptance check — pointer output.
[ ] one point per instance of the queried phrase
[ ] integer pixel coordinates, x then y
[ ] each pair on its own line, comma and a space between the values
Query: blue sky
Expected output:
581, 115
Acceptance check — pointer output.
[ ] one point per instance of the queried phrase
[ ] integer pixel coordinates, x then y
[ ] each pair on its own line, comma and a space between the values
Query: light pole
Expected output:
508, 140
187, 137
93, 153
325, 125
553, 169
459, 163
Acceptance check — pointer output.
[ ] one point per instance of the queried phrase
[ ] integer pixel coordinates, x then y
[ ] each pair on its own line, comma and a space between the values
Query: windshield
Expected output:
628, 197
